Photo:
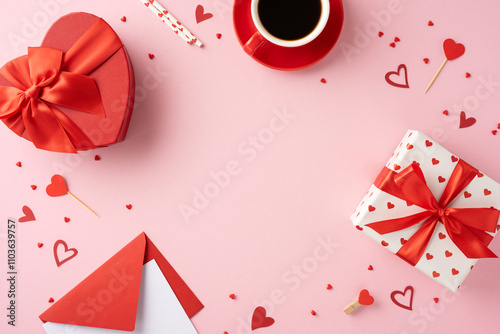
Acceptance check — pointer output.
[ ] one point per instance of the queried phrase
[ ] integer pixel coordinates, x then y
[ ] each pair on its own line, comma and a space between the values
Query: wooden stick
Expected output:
352, 307
83, 204
435, 75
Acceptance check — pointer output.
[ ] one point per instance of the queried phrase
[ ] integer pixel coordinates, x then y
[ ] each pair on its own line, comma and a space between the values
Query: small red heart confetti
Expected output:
429, 256
19, 164
329, 287
445, 112
33, 187
435, 274
498, 126
323, 80
97, 158
232, 296
371, 208
313, 312
51, 300
218, 36
442, 235
380, 34
225, 332
396, 39
430, 23
494, 132
151, 56
66, 219
436, 300
467, 75
40, 245
392, 45
426, 60
370, 267
384, 243
428, 143
128, 206
123, 19
454, 272
467, 194
487, 192
448, 253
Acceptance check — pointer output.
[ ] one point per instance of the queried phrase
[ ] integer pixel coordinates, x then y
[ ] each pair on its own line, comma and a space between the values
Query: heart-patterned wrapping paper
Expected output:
442, 260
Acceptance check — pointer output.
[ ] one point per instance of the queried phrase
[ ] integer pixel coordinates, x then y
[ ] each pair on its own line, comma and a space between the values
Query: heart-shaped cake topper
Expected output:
409, 304
259, 318
365, 298
28, 215
453, 50
400, 84
58, 243
57, 186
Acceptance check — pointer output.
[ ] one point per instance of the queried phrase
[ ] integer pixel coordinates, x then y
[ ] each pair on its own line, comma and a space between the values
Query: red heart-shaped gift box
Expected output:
114, 78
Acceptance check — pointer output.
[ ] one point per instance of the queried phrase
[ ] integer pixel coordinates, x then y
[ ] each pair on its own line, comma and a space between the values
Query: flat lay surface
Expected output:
245, 177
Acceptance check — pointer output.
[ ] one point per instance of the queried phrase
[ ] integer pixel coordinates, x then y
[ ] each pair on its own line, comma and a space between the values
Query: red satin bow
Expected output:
46, 77
465, 227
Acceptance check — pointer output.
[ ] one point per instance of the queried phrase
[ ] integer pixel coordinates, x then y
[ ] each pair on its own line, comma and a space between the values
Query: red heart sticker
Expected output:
453, 50
57, 187
59, 262
365, 298
28, 215
201, 15
466, 122
259, 319
407, 306
398, 74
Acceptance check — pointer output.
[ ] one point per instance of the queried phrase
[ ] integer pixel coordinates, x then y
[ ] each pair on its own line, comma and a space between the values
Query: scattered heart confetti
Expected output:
40, 245
445, 112
58, 243
123, 19
498, 126
28, 215
329, 287
66, 219
407, 306
494, 132
51, 300
396, 39
426, 60
151, 56
129, 206
225, 332
436, 300
313, 312
218, 36
466, 122
33, 187
323, 80
430, 23
201, 15
259, 318
392, 45
232, 296
397, 73
370, 267
380, 34
365, 298
467, 75
97, 158
19, 164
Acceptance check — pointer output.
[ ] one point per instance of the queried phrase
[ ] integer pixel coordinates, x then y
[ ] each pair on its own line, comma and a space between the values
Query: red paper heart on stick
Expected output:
59, 262
395, 301
57, 186
259, 319
28, 215
365, 298
466, 122
398, 74
453, 50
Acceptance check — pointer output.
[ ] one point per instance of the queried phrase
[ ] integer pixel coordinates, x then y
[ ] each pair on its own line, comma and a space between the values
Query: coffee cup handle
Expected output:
254, 43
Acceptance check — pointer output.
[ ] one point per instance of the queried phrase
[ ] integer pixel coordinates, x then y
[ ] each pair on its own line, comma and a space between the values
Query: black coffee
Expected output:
289, 19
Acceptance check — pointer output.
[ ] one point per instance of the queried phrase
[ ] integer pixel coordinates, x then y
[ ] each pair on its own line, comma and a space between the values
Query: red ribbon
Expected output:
465, 227
46, 77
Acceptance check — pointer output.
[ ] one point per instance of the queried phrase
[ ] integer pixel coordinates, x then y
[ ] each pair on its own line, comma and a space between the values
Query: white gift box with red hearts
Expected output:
442, 261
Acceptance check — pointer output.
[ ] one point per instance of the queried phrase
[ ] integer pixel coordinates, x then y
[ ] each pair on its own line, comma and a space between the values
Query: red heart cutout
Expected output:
441, 179
454, 271
66, 249
395, 301
487, 192
390, 205
429, 256
57, 186
259, 319
201, 15
397, 73
448, 253
365, 298
466, 122
453, 50
442, 235
435, 274
28, 215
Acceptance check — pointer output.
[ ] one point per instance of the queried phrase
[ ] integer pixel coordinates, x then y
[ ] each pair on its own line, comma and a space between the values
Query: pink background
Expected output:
300, 187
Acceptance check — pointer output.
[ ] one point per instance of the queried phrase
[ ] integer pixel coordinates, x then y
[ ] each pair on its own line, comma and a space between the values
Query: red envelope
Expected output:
116, 285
